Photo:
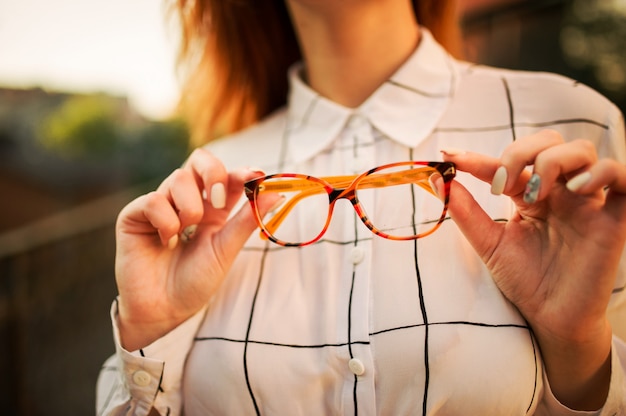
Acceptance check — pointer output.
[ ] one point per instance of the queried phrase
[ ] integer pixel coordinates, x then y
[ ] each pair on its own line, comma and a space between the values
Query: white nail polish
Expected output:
499, 181
172, 242
453, 151
218, 195
432, 181
578, 181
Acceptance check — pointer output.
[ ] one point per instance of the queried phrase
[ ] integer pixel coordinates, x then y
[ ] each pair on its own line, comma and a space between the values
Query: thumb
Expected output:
479, 229
240, 226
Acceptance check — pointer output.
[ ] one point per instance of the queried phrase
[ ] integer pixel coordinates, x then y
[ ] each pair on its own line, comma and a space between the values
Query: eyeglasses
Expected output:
379, 196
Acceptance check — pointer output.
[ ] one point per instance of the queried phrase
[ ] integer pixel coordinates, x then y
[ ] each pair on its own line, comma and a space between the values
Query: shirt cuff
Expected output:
616, 400
153, 374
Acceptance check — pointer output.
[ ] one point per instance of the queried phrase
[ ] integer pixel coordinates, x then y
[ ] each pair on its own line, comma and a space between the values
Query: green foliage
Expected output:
83, 126
104, 130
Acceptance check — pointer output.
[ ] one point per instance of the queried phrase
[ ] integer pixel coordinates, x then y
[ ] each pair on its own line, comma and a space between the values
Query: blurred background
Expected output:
88, 94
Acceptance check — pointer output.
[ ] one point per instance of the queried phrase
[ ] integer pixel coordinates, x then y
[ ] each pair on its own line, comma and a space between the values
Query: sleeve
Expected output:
613, 146
616, 148
616, 401
133, 383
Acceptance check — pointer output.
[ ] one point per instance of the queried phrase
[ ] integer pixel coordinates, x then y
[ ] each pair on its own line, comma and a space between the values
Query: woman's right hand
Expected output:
163, 279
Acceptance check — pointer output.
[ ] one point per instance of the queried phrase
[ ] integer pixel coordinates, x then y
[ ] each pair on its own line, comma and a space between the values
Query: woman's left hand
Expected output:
556, 259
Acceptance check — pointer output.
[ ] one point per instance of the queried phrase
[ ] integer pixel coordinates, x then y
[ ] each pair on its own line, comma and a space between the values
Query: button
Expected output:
356, 366
357, 255
142, 378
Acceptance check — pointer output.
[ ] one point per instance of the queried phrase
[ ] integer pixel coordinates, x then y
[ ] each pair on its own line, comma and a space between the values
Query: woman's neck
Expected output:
351, 47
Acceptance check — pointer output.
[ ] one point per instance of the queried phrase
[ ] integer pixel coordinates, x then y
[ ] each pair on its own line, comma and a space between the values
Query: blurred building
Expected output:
582, 39
60, 199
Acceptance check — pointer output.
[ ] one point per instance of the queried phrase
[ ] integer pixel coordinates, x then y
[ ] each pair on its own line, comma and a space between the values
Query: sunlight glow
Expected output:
115, 46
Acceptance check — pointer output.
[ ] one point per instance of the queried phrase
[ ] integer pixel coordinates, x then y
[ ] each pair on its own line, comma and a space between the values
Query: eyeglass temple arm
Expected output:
418, 176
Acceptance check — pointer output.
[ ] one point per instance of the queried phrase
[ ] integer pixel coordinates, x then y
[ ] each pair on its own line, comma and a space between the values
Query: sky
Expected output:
124, 47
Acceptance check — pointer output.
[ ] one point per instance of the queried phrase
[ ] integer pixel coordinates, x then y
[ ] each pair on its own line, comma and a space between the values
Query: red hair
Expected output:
235, 54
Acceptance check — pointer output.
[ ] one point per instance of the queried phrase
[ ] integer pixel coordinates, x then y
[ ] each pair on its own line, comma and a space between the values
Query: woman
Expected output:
505, 310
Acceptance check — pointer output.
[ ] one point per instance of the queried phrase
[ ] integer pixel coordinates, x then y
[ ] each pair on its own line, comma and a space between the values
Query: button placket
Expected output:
360, 132
356, 366
356, 121
359, 165
357, 255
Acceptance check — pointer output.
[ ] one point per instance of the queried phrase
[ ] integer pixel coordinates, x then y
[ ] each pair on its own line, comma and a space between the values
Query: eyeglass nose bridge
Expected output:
350, 194
341, 193
344, 193
334, 194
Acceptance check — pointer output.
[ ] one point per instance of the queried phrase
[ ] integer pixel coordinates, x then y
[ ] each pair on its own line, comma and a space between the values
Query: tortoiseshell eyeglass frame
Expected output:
338, 187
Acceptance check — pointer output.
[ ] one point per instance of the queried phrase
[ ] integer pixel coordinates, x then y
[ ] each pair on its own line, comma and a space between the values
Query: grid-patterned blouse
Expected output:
358, 324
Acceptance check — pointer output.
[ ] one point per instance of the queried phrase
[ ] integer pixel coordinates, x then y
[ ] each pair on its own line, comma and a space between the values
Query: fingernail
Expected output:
188, 233
172, 242
499, 181
218, 195
453, 151
432, 181
532, 189
578, 181
256, 170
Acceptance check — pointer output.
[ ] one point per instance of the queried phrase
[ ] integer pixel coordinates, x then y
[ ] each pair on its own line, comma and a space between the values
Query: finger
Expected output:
478, 165
561, 161
520, 154
210, 175
239, 228
486, 168
606, 173
233, 190
236, 180
479, 229
181, 189
231, 234
262, 203
151, 213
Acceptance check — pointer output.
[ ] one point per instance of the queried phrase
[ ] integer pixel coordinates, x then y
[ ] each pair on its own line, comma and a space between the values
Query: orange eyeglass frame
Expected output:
344, 187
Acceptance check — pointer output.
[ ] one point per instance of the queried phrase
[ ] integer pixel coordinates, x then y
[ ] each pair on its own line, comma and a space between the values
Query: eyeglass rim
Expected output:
447, 170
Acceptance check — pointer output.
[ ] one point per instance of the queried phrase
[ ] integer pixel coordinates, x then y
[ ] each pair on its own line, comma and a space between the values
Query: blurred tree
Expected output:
102, 130
83, 126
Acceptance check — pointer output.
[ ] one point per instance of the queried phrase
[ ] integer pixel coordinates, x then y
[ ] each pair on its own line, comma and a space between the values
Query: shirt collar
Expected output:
406, 108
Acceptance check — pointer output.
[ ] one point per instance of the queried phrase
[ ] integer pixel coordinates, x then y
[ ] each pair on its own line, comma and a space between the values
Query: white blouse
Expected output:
358, 324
